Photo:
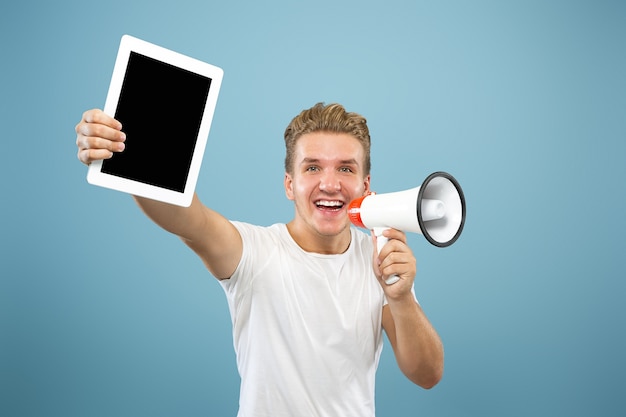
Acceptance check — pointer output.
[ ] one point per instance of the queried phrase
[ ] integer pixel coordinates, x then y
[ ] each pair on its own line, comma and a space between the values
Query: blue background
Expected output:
524, 102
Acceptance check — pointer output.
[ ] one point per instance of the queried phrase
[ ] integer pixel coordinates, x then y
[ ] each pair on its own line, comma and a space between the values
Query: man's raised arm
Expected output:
216, 241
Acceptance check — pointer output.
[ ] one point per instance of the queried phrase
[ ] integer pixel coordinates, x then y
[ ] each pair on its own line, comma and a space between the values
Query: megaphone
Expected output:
436, 209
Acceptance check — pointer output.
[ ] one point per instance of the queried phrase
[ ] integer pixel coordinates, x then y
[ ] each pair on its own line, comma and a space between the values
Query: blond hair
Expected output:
331, 118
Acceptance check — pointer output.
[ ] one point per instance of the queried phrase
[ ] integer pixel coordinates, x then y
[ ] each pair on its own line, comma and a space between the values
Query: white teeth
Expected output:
329, 203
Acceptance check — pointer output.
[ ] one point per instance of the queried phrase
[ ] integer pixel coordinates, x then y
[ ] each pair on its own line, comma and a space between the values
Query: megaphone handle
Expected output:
380, 242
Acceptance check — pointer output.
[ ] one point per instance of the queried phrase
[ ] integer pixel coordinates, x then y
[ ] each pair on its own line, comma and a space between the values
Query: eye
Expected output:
312, 168
346, 170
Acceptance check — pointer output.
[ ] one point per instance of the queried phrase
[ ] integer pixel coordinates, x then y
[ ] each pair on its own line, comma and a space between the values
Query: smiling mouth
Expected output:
329, 205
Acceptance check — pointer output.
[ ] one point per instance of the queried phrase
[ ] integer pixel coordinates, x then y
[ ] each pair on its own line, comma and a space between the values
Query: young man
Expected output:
307, 299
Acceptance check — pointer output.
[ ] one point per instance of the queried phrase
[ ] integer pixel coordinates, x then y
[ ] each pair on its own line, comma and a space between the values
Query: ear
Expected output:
366, 183
288, 186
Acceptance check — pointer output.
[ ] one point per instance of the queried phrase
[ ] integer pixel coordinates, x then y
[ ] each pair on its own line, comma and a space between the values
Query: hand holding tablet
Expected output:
165, 102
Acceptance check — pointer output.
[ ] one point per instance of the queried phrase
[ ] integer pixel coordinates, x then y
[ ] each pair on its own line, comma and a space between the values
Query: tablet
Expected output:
165, 102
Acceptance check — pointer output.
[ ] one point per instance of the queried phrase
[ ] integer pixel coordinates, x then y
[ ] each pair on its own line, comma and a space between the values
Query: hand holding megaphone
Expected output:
436, 210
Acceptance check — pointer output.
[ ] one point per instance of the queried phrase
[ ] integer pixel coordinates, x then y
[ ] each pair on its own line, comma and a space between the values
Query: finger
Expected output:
97, 116
99, 130
87, 156
392, 263
403, 271
94, 142
392, 246
398, 263
376, 257
395, 235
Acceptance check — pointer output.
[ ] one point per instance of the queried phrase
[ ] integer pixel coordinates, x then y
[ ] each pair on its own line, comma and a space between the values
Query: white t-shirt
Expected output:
307, 327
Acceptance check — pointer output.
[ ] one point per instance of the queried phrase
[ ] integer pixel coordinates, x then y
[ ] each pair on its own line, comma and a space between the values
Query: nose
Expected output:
330, 182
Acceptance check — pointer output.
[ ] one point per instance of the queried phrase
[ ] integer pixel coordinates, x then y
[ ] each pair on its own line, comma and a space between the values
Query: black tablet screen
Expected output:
160, 108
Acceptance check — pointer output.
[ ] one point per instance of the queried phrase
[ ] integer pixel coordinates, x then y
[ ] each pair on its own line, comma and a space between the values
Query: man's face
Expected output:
327, 175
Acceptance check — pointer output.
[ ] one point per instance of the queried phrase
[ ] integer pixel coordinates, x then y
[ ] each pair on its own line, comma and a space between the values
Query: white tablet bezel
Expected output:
130, 44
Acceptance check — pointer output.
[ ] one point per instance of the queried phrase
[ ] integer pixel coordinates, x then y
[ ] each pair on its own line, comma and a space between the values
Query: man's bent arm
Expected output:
416, 345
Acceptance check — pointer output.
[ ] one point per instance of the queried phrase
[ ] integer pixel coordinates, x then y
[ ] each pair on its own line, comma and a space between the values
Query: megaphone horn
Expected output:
436, 209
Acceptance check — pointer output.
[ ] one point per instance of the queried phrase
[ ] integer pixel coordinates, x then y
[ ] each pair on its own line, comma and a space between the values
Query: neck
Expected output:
310, 241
